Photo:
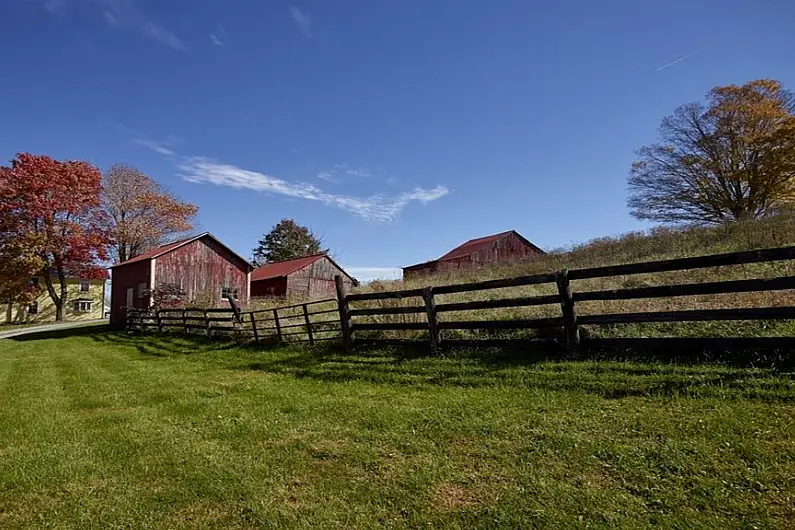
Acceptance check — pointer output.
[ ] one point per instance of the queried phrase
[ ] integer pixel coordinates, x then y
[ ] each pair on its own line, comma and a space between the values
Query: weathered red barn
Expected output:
308, 277
197, 267
497, 248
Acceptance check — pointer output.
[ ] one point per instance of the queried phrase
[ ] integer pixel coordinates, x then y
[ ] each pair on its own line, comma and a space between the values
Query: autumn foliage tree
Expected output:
287, 240
142, 214
52, 222
729, 160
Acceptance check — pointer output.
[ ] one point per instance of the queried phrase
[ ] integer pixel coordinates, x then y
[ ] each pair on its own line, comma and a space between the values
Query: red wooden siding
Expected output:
508, 246
201, 269
314, 280
123, 278
200, 266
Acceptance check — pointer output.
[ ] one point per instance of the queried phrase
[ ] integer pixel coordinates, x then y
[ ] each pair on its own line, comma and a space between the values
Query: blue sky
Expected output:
396, 130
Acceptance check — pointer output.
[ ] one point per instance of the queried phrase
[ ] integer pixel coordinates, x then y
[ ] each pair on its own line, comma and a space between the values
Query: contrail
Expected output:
682, 58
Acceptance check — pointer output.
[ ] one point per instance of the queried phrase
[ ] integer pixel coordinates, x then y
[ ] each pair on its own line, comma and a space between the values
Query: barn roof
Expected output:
473, 245
285, 268
168, 247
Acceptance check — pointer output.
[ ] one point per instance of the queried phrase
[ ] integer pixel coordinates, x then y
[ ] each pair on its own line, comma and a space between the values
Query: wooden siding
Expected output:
507, 248
123, 278
315, 280
201, 269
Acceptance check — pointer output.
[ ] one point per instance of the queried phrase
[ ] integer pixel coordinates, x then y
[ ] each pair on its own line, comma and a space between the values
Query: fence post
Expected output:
433, 324
159, 321
254, 326
278, 326
207, 325
308, 325
185, 320
345, 317
570, 328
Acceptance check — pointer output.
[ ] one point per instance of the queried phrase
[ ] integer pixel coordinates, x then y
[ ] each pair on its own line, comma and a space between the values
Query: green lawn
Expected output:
101, 430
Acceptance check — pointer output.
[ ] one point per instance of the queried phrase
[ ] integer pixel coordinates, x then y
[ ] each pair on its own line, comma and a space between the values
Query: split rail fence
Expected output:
350, 317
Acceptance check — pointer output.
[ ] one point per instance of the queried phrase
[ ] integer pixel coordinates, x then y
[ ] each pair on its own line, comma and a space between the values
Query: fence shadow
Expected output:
608, 379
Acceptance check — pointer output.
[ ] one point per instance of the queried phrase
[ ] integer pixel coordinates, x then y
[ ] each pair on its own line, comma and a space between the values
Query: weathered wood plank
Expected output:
700, 262
498, 303
433, 324
757, 313
570, 328
673, 345
733, 286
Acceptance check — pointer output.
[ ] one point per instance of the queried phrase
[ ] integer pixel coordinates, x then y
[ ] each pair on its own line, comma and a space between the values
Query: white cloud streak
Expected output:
158, 147
679, 60
125, 13
304, 21
219, 37
380, 208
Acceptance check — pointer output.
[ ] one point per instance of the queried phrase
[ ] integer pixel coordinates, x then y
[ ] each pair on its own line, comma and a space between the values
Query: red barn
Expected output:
308, 277
497, 248
197, 267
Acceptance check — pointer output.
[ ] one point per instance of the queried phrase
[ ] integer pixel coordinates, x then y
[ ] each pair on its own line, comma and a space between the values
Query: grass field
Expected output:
101, 430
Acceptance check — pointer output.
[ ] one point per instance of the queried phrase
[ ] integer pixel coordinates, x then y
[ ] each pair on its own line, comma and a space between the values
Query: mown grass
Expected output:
636, 247
103, 430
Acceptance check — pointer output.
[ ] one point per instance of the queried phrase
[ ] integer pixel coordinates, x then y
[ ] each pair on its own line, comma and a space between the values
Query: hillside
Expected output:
657, 244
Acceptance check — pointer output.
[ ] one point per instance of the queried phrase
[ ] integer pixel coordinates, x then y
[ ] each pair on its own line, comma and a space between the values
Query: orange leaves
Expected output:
143, 214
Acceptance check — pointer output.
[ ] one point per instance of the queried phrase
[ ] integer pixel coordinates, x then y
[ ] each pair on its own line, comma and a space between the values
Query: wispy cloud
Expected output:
681, 59
219, 37
56, 7
341, 172
161, 148
304, 21
373, 208
125, 13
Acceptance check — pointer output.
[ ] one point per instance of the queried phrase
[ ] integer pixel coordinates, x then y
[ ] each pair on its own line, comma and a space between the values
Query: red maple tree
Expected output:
53, 209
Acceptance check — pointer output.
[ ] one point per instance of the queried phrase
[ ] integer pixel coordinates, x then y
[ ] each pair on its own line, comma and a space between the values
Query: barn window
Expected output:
227, 292
141, 290
85, 286
82, 306
33, 309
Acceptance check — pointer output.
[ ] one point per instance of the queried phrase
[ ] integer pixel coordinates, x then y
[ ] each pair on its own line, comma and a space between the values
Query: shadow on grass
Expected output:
612, 377
609, 379
79, 331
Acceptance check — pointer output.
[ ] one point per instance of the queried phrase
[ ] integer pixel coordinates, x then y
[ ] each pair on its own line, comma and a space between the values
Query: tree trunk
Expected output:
57, 300
60, 309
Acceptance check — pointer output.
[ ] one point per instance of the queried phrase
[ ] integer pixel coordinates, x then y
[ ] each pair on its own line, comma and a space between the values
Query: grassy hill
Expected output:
657, 244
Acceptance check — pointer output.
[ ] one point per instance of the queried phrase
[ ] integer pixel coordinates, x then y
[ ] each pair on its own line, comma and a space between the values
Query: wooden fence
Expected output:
566, 298
309, 322
348, 316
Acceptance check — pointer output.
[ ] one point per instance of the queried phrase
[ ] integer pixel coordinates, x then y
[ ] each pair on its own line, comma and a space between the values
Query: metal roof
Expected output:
168, 247
285, 268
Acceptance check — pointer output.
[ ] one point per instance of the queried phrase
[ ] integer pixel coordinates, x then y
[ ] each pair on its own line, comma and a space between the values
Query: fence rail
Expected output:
258, 325
312, 321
